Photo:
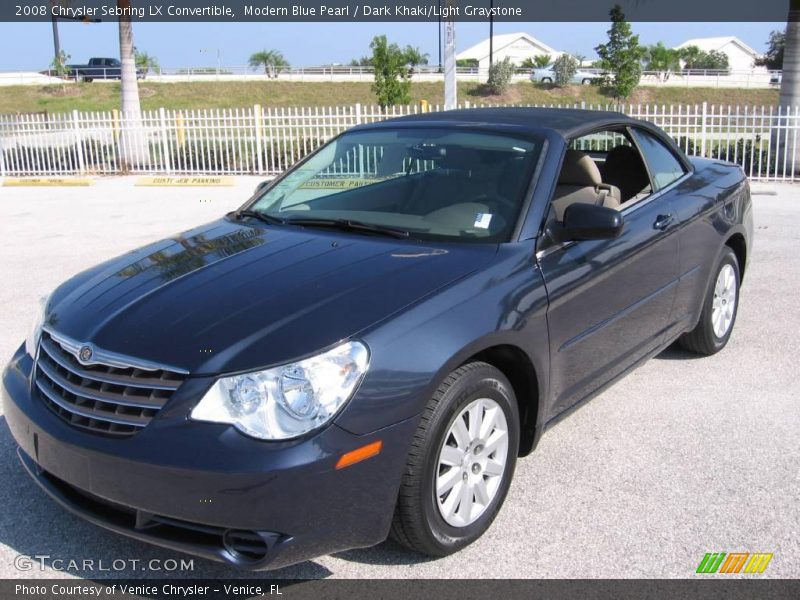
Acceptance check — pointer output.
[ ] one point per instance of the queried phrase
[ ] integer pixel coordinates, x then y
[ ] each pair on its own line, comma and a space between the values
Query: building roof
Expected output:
564, 121
481, 49
715, 43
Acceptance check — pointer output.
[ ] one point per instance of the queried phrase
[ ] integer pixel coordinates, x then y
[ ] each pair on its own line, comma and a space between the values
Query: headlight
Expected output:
36, 330
287, 401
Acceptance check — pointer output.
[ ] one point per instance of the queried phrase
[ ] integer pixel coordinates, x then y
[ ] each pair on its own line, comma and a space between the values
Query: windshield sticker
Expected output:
337, 183
482, 220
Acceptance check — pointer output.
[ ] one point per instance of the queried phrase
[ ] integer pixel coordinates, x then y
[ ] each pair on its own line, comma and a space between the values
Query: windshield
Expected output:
431, 183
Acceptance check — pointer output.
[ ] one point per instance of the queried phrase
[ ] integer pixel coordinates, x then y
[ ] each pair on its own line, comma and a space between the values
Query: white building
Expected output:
516, 46
741, 57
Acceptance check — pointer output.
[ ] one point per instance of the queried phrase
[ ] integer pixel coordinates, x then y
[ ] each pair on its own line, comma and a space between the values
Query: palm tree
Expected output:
145, 62
415, 56
272, 61
133, 149
790, 79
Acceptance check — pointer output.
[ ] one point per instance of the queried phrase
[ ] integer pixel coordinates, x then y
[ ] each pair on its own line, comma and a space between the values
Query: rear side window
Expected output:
664, 167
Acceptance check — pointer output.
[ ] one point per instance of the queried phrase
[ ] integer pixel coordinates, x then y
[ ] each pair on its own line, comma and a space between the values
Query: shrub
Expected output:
500, 74
564, 68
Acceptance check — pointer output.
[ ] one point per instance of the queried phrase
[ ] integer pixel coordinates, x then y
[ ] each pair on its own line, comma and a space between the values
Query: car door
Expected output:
609, 300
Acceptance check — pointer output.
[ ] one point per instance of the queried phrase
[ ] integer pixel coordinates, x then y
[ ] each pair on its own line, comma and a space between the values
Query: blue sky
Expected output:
29, 46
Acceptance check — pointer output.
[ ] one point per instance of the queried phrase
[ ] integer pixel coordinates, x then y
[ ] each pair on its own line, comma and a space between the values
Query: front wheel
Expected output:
719, 309
547, 80
460, 464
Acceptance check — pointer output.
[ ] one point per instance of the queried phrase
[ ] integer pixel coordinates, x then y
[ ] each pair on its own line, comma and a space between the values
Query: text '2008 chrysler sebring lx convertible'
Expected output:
367, 346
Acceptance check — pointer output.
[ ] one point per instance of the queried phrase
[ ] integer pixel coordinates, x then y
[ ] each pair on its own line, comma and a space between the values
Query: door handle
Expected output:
663, 221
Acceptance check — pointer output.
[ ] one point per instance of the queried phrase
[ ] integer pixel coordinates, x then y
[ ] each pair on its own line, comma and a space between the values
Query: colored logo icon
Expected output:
734, 562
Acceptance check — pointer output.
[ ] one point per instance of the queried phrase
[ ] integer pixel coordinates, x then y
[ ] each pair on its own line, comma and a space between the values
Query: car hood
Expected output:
228, 296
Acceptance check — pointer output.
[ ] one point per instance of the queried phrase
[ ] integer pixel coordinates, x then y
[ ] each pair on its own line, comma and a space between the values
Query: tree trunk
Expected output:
790, 91
133, 149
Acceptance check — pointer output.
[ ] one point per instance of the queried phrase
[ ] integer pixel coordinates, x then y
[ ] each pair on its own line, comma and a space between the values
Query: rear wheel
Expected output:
719, 309
547, 80
460, 464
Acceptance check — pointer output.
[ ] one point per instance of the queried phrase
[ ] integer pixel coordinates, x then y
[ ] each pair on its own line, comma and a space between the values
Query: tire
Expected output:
419, 523
586, 81
547, 80
705, 338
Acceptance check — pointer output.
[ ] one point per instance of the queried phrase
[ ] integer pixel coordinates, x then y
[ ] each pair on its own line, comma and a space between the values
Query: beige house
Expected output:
516, 46
741, 57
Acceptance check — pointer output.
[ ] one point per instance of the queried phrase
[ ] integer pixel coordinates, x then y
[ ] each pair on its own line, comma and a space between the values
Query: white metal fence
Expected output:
746, 78
263, 140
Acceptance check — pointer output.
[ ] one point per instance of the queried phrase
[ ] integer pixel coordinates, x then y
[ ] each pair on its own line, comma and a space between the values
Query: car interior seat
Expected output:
625, 169
580, 181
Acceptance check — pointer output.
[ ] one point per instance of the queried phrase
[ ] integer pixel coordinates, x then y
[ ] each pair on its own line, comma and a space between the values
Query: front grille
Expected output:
118, 400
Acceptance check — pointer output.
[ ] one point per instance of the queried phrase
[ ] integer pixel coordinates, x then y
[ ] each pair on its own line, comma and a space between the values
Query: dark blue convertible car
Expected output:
367, 346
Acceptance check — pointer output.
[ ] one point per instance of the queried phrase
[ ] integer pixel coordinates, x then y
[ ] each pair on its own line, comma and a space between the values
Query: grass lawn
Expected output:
105, 96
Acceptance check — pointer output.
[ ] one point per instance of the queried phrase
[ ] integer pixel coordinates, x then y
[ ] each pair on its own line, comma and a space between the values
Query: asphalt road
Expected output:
685, 456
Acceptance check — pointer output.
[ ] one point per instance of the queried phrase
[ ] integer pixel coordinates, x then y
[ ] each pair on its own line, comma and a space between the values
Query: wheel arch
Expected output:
517, 366
738, 244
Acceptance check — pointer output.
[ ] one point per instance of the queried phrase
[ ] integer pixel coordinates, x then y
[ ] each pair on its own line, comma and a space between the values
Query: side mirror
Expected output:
587, 222
261, 186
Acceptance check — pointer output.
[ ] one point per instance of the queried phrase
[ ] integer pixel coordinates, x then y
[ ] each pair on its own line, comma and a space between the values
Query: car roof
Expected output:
564, 121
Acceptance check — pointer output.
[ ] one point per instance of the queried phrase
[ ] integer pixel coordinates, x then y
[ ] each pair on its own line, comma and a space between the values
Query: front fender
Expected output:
504, 303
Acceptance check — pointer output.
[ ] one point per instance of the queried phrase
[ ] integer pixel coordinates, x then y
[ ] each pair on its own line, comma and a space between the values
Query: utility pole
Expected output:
440, 36
491, 33
56, 41
450, 92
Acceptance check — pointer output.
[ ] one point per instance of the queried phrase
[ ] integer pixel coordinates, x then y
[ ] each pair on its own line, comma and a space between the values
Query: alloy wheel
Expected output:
471, 462
724, 303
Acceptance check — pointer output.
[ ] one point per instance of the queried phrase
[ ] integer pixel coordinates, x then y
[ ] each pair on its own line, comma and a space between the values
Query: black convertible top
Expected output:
565, 121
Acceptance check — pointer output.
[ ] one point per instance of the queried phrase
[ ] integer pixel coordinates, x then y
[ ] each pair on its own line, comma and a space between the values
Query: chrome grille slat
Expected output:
106, 397
138, 382
89, 414
119, 398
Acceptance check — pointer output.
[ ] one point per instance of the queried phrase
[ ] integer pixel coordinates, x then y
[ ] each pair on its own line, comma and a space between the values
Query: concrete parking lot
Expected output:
685, 456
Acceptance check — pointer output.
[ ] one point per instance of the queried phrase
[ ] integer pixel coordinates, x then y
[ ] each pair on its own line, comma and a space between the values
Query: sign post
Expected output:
450, 93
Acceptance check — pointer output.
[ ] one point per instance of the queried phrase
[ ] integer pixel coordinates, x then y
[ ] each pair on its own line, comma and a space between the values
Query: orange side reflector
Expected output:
359, 454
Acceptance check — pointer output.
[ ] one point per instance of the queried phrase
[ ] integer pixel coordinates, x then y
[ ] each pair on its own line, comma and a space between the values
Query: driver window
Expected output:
664, 167
603, 168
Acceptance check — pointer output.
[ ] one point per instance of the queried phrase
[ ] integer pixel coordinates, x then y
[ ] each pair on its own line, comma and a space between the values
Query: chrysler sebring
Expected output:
367, 346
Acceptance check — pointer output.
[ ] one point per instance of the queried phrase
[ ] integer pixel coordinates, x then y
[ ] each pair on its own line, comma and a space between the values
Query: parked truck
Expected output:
100, 68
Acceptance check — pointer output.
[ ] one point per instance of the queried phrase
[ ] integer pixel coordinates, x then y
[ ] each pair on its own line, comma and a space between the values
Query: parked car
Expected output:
547, 75
100, 68
369, 343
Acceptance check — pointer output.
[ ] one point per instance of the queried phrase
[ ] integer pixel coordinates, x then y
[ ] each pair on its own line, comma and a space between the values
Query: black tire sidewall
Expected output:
483, 383
714, 342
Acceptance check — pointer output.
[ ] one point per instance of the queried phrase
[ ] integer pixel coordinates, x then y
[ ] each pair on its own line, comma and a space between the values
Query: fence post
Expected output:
2, 159
257, 120
164, 145
358, 113
703, 119
78, 142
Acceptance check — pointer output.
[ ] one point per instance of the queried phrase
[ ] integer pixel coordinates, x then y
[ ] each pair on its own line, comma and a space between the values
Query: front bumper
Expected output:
203, 488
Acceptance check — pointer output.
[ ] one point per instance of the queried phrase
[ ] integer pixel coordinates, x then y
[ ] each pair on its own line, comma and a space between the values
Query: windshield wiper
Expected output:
255, 214
349, 225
